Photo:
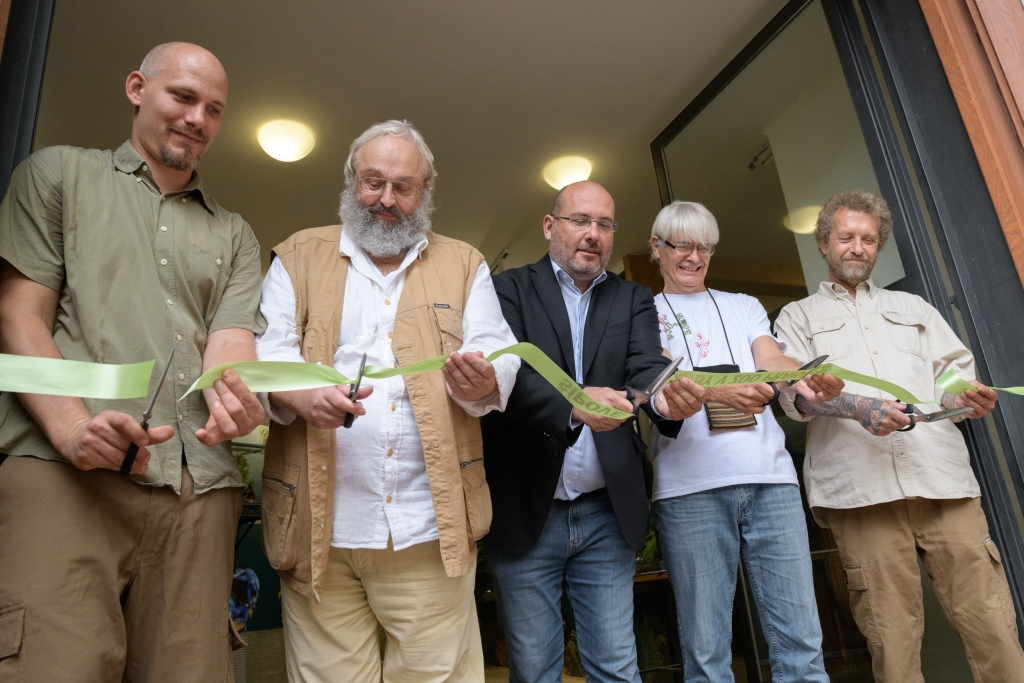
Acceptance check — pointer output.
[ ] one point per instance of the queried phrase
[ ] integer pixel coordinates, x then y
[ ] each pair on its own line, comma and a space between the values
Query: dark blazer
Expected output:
525, 445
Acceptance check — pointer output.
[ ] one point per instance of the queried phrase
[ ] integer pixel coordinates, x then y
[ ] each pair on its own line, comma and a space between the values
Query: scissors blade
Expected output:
156, 390
660, 380
809, 366
941, 414
359, 377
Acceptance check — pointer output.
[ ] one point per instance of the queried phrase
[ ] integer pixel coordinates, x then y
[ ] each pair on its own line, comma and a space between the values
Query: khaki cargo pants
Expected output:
879, 545
104, 580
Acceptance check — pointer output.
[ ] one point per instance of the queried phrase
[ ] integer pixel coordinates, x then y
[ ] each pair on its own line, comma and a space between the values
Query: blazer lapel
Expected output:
597, 320
550, 294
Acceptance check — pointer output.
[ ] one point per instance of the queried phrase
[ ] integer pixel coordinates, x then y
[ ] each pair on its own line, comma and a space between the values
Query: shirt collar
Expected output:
361, 260
127, 160
564, 277
834, 290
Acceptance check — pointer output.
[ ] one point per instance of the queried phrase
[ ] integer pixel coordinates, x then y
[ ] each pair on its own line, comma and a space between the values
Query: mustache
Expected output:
386, 210
191, 131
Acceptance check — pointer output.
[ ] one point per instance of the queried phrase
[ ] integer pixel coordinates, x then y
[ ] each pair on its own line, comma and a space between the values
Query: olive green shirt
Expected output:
136, 271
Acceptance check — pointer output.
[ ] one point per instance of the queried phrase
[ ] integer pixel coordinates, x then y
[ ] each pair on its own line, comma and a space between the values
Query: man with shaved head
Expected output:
570, 505
116, 257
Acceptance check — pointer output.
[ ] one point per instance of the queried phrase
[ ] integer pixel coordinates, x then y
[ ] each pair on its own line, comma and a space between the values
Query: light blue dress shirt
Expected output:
581, 470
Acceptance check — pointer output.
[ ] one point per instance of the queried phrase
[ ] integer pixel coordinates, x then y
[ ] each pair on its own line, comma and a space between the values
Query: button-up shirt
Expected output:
893, 336
581, 470
136, 271
381, 484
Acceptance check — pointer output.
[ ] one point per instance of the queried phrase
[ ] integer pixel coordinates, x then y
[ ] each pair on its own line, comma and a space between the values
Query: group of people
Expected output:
373, 503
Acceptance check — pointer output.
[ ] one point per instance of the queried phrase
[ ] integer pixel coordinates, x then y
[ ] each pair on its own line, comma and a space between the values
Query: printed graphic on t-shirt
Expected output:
667, 326
702, 345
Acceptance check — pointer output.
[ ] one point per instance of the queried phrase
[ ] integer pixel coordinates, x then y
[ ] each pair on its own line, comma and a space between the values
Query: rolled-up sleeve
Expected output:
280, 341
485, 329
795, 343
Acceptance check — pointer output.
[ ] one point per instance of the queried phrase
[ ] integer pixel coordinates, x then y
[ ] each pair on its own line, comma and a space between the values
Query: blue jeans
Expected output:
703, 536
582, 548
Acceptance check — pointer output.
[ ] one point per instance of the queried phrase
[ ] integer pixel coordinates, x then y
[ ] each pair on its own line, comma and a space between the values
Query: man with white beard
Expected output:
378, 523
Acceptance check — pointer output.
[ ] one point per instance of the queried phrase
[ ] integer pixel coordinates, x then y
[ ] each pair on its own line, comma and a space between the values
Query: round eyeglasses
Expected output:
402, 189
686, 248
583, 222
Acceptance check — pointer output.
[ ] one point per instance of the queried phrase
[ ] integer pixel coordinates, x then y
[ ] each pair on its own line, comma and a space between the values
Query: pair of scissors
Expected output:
353, 392
809, 366
636, 398
133, 449
917, 415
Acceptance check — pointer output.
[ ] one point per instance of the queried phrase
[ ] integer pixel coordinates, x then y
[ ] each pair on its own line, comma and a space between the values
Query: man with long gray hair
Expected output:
375, 520
891, 495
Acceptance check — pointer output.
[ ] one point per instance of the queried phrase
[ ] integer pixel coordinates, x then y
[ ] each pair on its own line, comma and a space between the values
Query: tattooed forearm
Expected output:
869, 412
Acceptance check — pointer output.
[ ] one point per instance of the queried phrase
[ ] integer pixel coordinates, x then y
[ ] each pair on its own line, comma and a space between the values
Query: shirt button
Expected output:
145, 168
163, 228
387, 302
181, 375
389, 335
170, 303
323, 467
866, 327
218, 262
321, 526
390, 452
821, 327
393, 407
138, 180
875, 352
389, 499
183, 201
179, 337
163, 262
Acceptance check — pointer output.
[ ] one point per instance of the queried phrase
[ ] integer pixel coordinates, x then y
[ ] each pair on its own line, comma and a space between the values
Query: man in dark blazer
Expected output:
567, 487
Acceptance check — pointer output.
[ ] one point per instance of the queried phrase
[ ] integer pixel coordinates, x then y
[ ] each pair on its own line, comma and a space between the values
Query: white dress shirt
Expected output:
581, 469
381, 484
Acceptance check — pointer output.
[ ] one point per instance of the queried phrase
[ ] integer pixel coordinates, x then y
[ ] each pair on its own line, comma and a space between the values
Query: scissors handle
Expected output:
130, 454
909, 412
350, 418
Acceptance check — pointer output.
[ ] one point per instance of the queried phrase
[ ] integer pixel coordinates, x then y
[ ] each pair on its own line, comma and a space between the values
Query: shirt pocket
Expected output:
207, 277
831, 336
449, 327
905, 331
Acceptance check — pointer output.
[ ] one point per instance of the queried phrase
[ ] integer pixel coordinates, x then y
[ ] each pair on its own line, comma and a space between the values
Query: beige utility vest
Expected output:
299, 470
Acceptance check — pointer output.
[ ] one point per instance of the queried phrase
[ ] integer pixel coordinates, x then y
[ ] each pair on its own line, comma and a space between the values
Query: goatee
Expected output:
379, 237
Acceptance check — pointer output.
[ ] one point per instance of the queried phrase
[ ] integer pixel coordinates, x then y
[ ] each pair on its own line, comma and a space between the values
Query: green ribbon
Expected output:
951, 383
26, 374
60, 377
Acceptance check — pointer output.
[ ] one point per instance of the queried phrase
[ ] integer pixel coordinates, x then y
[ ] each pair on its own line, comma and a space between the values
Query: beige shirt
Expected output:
136, 271
893, 336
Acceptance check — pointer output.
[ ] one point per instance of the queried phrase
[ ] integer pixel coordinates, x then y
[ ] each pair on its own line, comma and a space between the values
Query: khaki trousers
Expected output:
430, 621
879, 545
104, 580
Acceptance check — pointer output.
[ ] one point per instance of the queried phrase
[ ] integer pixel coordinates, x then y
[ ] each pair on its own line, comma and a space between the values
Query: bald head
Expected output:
586, 190
183, 53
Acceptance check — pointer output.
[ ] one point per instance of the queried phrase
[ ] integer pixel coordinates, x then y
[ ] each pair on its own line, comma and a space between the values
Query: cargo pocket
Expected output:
280, 480
12, 629
474, 485
860, 603
1002, 588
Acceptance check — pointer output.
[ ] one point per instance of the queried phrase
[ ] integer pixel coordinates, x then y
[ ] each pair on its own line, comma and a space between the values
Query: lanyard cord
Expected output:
686, 343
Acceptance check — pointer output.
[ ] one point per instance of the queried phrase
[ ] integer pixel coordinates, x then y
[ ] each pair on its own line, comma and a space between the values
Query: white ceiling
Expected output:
497, 88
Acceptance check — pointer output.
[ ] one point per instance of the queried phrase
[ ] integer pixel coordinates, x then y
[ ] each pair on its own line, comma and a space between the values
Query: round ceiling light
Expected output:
565, 170
286, 140
802, 221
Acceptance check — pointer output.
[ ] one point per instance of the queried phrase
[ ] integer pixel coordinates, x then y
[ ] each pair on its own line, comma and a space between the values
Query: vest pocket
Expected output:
449, 326
474, 485
280, 481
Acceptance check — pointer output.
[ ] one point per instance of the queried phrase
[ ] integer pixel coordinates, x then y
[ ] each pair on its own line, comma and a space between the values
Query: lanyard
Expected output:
686, 343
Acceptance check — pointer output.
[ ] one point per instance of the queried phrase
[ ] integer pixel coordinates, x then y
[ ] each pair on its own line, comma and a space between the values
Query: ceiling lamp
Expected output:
286, 140
802, 221
565, 170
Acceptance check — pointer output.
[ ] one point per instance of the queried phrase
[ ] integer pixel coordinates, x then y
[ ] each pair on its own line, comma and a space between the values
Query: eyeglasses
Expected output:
582, 222
686, 248
402, 190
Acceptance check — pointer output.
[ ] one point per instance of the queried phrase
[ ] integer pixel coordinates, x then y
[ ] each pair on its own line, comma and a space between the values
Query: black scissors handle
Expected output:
909, 412
130, 454
353, 390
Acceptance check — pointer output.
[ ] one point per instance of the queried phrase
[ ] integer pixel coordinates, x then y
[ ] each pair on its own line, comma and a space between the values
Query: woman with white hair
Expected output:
725, 489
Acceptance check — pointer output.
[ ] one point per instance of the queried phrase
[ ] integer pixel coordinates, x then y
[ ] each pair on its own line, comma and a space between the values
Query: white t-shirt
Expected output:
700, 459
